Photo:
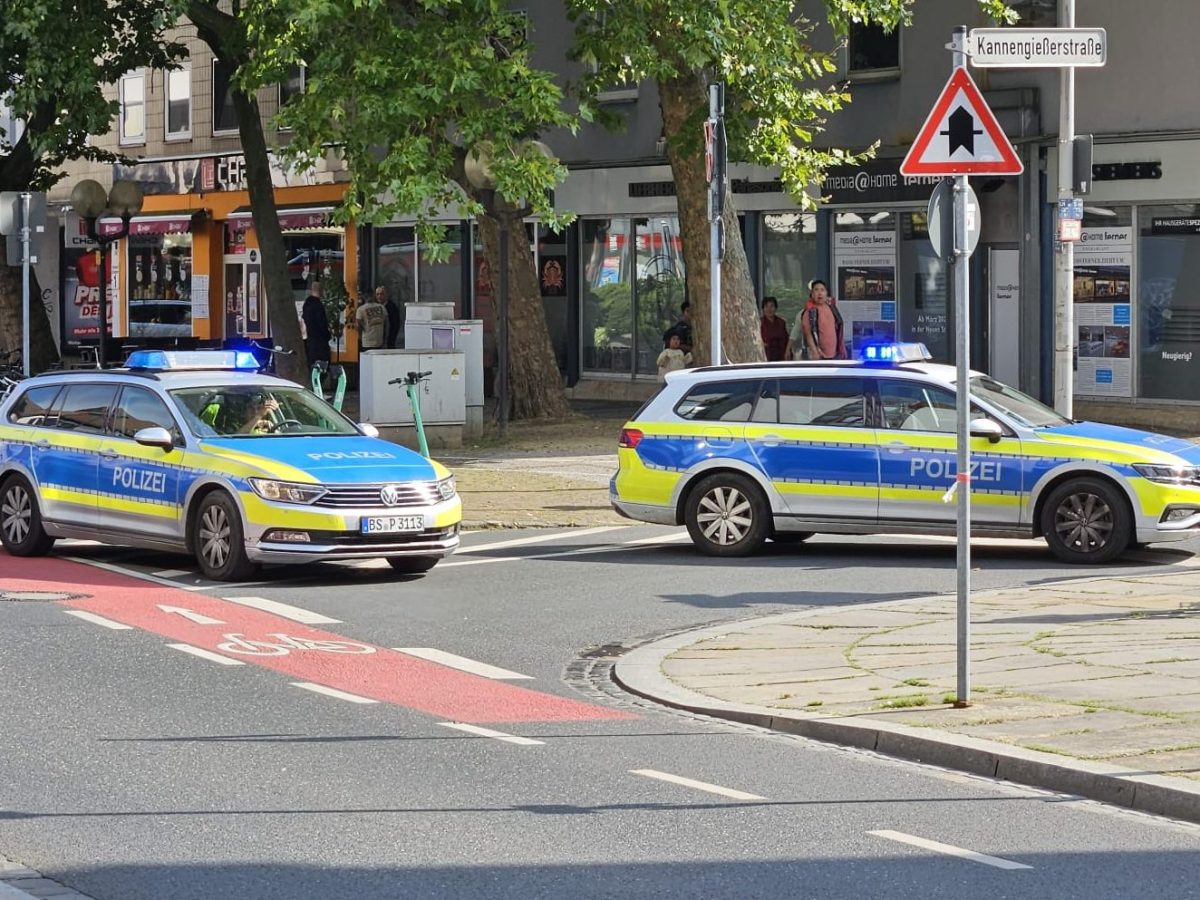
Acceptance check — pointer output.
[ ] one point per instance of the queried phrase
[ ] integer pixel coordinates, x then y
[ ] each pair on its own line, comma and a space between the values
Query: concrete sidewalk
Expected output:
1091, 686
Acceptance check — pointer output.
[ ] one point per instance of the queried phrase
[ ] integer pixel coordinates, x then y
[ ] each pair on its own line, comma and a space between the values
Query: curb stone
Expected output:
14, 878
640, 672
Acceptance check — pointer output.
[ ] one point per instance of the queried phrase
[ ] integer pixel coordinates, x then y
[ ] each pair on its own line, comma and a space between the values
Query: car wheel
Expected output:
726, 515
21, 529
1086, 520
412, 565
218, 539
791, 537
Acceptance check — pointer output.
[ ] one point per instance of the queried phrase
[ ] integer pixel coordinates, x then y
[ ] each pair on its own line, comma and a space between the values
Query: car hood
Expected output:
1088, 432
347, 459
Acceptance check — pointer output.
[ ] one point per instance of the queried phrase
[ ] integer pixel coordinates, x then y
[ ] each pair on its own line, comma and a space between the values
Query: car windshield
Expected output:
256, 410
1020, 407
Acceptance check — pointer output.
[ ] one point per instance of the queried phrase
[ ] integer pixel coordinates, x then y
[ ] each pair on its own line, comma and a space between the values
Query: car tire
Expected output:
218, 540
726, 515
791, 537
1087, 521
412, 565
21, 529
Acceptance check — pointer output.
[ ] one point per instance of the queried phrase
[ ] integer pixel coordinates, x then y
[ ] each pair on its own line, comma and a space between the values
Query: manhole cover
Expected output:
39, 596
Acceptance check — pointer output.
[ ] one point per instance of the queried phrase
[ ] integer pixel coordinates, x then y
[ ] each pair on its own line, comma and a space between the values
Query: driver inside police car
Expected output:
259, 410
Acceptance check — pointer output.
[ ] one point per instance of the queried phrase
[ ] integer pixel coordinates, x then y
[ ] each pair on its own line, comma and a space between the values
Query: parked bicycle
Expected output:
11, 371
410, 382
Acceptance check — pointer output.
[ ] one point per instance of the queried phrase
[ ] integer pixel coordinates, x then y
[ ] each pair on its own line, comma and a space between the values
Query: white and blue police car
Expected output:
745, 453
199, 452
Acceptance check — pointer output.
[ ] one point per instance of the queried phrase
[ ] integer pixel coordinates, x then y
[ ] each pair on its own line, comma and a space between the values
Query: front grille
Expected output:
357, 539
350, 496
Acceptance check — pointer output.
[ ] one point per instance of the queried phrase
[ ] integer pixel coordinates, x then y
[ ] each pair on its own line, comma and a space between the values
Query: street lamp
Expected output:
90, 201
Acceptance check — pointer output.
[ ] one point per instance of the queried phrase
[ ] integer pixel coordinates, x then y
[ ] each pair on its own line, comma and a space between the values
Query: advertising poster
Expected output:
865, 286
1103, 312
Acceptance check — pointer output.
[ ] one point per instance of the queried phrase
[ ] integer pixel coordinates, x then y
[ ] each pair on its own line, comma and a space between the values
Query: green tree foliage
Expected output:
55, 56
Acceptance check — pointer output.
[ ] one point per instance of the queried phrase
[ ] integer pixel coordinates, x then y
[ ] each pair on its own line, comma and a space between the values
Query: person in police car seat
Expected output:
259, 412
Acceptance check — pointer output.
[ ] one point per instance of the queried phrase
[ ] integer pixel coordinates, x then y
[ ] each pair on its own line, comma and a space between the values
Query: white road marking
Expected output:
132, 573
331, 692
207, 654
190, 614
171, 573
539, 539
98, 620
488, 733
698, 785
475, 667
640, 543
295, 613
949, 850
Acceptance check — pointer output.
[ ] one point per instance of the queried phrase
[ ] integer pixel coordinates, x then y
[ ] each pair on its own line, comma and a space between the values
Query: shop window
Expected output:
789, 260
608, 276
224, 113
1168, 303
179, 103
872, 52
396, 263
924, 296
133, 107
160, 285
440, 276
552, 285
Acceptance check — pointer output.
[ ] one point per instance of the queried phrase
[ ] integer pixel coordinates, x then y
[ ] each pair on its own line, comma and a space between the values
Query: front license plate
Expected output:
391, 524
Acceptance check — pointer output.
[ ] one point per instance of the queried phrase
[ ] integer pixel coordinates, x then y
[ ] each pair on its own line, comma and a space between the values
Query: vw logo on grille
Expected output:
390, 494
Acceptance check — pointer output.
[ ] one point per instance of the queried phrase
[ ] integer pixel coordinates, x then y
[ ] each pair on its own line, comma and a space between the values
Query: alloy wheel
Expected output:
214, 536
725, 515
1084, 522
16, 512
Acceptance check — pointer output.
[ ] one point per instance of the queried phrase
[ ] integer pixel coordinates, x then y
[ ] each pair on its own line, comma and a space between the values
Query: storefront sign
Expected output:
1103, 313
875, 181
1175, 225
226, 172
147, 225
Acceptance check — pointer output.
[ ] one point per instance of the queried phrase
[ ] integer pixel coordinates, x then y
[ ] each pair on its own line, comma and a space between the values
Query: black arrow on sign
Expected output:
962, 131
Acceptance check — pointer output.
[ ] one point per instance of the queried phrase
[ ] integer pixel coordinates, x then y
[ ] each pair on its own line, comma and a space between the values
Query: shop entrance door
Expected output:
244, 310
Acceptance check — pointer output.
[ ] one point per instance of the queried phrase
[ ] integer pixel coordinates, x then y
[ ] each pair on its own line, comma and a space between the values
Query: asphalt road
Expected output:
132, 770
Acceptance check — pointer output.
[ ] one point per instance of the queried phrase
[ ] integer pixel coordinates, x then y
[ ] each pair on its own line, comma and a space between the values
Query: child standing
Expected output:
672, 358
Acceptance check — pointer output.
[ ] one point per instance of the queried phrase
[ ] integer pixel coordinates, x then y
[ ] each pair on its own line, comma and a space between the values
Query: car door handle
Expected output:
770, 440
109, 454
42, 444
897, 447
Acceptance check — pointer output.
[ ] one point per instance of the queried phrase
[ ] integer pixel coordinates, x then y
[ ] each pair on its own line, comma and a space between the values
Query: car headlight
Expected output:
1169, 474
446, 488
287, 491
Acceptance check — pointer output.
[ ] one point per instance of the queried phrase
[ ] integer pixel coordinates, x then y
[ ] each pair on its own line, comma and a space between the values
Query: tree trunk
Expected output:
42, 350
535, 384
740, 337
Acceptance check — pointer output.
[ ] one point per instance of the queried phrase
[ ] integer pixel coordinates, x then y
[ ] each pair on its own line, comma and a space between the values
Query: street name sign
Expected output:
1028, 48
961, 136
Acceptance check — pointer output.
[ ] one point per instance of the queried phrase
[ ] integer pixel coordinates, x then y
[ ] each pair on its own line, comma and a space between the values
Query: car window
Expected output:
822, 401
766, 410
32, 407
84, 407
258, 410
139, 408
910, 406
720, 401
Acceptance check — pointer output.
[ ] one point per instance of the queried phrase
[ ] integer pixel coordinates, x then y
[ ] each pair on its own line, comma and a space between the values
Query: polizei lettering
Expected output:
353, 454
140, 480
933, 467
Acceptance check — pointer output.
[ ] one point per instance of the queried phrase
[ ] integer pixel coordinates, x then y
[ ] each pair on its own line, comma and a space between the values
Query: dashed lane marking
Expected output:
639, 544
462, 663
207, 654
171, 573
539, 539
489, 733
98, 620
295, 613
331, 692
697, 785
948, 849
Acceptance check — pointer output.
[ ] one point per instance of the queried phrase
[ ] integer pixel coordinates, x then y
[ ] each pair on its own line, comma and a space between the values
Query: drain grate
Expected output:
40, 596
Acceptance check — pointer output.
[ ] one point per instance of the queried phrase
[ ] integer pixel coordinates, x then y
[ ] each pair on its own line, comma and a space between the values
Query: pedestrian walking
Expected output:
819, 332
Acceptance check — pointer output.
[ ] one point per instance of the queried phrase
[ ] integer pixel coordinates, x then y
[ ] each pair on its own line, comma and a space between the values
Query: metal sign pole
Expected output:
1064, 261
962, 313
716, 210
26, 317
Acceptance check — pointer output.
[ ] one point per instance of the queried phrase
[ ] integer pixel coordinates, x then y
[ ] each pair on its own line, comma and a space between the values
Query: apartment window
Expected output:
224, 113
292, 86
1036, 13
873, 52
179, 103
133, 107
11, 127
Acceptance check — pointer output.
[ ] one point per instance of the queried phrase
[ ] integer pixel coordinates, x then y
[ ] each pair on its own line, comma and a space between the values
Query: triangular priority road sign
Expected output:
961, 136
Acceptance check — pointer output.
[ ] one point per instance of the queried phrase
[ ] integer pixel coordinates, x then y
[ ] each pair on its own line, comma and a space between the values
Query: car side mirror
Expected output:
986, 428
368, 429
155, 437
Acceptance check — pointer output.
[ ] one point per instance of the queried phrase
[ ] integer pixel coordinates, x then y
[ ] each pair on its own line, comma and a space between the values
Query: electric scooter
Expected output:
320, 367
410, 382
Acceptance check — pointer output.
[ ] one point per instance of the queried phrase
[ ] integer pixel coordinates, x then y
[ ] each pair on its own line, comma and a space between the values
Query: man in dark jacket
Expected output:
393, 317
316, 326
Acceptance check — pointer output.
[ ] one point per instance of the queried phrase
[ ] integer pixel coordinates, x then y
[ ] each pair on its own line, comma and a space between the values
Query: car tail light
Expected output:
630, 438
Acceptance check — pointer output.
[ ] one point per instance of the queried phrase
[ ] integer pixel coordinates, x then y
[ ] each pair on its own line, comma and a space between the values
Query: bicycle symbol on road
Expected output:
285, 644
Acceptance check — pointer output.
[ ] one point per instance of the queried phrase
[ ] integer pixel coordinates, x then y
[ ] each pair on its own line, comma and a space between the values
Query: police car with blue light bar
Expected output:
741, 454
198, 452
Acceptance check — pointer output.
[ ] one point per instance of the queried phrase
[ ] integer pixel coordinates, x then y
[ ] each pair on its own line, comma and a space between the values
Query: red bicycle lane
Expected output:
217, 625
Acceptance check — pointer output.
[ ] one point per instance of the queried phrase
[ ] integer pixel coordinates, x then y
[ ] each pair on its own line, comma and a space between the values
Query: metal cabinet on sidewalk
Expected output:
442, 396
465, 335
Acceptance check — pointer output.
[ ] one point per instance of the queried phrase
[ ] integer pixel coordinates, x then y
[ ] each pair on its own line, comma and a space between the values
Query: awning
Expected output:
241, 220
158, 223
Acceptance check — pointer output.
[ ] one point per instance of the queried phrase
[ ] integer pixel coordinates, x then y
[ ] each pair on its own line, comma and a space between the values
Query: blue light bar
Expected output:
894, 354
183, 360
